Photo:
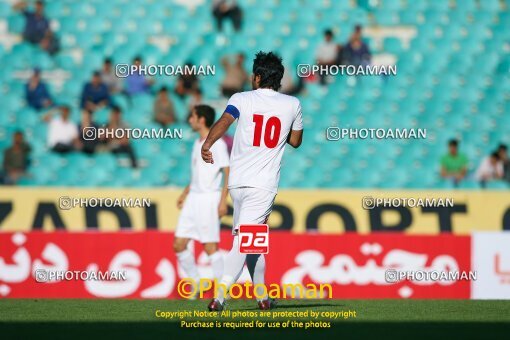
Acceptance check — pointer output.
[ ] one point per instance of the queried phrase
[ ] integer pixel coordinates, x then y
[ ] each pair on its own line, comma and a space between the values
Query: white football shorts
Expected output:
251, 206
199, 218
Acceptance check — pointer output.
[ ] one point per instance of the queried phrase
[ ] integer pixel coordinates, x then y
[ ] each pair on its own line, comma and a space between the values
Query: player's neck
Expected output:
203, 133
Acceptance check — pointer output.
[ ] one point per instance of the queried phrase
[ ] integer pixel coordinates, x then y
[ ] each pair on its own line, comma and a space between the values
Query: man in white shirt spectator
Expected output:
490, 168
326, 53
62, 132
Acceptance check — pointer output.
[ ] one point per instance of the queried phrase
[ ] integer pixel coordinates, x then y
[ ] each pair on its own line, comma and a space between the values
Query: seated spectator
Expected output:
187, 83
36, 92
490, 168
227, 9
50, 43
87, 142
95, 94
288, 85
356, 52
62, 132
503, 156
196, 99
454, 164
236, 77
326, 53
119, 145
109, 78
137, 83
36, 24
16, 159
164, 112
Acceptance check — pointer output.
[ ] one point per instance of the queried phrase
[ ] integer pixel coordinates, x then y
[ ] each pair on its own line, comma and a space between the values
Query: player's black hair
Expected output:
328, 32
270, 69
96, 74
163, 89
453, 142
108, 60
502, 147
495, 154
207, 112
137, 58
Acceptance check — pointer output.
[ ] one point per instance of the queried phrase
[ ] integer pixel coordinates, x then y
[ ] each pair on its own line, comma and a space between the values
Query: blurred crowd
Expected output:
65, 135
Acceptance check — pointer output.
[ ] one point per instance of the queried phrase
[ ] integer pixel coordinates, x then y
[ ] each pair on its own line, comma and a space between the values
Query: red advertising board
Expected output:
355, 265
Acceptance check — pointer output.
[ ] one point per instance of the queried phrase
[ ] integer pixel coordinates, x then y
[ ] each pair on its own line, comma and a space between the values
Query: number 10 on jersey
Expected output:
271, 129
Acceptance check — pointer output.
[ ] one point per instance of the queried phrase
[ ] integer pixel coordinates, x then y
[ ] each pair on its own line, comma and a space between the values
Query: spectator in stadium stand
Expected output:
36, 24
490, 168
227, 9
50, 43
288, 85
95, 94
187, 82
454, 164
136, 83
16, 159
119, 145
236, 77
36, 92
88, 145
62, 132
503, 156
356, 52
326, 53
196, 99
109, 78
164, 111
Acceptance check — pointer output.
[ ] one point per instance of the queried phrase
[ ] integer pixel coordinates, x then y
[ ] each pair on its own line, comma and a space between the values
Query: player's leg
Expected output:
234, 261
184, 232
208, 222
215, 258
186, 258
256, 264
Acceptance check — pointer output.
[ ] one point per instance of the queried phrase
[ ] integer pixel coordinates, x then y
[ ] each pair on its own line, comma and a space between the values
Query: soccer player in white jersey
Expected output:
204, 200
267, 121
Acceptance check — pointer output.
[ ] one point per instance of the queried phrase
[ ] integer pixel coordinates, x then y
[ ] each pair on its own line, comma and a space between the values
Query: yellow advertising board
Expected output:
324, 211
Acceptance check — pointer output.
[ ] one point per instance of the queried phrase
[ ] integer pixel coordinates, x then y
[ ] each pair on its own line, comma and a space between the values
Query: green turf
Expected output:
471, 319
144, 310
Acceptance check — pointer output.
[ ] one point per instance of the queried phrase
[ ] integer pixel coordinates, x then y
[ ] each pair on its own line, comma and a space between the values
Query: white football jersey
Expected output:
206, 177
265, 118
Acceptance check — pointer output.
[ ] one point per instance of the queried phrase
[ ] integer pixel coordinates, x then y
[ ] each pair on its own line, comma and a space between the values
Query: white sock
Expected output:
216, 260
256, 264
187, 263
234, 263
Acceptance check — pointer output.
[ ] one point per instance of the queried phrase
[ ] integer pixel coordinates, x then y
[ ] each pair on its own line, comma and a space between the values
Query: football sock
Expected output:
216, 260
256, 264
234, 262
187, 262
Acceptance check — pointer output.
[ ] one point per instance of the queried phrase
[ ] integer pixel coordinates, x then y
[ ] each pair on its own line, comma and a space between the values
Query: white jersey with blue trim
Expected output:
265, 118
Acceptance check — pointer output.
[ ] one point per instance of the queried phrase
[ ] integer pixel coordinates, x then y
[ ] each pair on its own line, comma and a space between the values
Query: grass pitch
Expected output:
471, 319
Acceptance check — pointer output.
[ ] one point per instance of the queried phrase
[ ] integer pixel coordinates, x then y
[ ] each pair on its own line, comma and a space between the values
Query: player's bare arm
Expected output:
182, 197
295, 138
223, 207
217, 131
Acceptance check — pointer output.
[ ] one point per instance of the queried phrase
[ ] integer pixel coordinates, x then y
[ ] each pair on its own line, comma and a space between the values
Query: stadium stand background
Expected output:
453, 79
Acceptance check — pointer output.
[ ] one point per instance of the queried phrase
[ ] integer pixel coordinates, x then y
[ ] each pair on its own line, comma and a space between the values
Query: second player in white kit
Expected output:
267, 121
203, 201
